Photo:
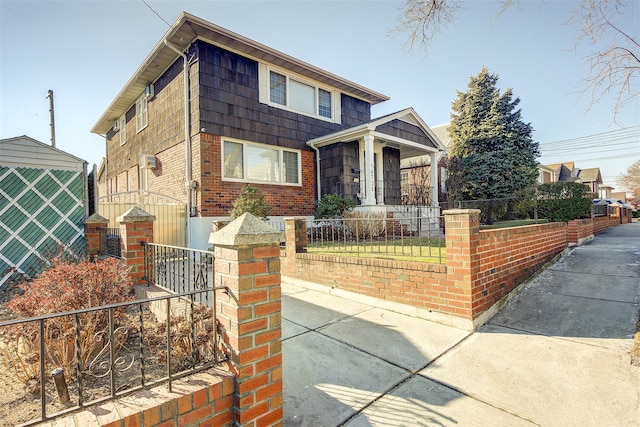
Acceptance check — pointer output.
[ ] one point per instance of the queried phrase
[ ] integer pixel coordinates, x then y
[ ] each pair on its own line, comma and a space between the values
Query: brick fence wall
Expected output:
509, 256
481, 267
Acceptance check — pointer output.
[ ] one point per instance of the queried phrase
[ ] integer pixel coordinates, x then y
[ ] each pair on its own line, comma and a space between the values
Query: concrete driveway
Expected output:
557, 354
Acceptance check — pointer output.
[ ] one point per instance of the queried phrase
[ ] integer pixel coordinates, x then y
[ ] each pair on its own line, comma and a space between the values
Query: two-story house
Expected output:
209, 111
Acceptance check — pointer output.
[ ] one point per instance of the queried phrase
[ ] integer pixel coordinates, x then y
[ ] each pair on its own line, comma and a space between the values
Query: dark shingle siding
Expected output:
230, 106
405, 130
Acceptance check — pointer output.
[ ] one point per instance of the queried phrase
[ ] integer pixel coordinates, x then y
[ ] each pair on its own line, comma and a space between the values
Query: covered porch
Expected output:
363, 162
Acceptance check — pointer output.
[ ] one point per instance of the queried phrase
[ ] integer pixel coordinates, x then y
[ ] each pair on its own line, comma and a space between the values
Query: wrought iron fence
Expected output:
110, 242
371, 235
178, 269
82, 357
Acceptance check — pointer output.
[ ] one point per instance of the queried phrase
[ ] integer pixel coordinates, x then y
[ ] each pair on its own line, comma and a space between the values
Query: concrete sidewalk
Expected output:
557, 354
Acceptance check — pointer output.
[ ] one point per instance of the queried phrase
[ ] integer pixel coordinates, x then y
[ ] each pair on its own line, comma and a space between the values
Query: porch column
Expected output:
369, 168
434, 179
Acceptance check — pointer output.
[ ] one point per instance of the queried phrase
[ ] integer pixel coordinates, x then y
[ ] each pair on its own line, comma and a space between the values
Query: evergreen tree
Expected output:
495, 146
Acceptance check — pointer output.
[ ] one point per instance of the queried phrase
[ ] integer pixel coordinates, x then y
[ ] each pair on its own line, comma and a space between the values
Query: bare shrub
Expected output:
187, 349
365, 225
64, 286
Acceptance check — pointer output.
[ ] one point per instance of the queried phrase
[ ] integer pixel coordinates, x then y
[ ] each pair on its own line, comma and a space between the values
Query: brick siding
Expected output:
215, 197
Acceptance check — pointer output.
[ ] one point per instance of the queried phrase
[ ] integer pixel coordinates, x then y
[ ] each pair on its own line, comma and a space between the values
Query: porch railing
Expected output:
110, 351
178, 269
373, 236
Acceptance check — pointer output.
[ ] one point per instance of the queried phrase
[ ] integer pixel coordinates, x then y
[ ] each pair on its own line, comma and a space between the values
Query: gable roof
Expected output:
565, 172
410, 148
189, 28
590, 175
24, 151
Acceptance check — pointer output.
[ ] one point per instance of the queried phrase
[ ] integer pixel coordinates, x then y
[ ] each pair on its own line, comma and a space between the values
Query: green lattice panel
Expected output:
31, 201
47, 187
48, 203
32, 234
12, 185
13, 218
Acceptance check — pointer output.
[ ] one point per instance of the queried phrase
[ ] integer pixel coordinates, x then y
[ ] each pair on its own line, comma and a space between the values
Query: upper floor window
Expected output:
296, 94
122, 129
142, 113
243, 161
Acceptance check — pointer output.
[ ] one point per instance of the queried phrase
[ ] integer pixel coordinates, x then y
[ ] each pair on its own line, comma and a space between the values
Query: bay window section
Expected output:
248, 162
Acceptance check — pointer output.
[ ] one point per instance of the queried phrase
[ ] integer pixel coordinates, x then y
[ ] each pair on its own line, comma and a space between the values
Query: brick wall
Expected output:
419, 284
481, 268
601, 223
509, 256
578, 230
215, 197
203, 399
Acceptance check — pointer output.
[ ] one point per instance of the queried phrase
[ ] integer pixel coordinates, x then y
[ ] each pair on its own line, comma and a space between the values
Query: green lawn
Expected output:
409, 249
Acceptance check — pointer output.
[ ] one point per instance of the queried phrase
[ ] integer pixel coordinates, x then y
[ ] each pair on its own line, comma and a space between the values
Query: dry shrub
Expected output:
182, 356
365, 225
64, 286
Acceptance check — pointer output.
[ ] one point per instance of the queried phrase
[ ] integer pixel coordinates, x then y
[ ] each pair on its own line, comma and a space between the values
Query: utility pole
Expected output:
52, 118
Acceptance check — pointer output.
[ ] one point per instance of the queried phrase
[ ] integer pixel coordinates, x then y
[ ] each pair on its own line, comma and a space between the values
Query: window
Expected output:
244, 161
292, 93
142, 113
122, 127
404, 178
324, 103
278, 88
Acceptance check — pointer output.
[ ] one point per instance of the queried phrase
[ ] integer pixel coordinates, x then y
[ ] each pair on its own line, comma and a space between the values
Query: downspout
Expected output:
187, 136
317, 168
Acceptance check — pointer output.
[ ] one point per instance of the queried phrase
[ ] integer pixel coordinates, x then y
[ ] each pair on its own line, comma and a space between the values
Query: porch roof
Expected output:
409, 147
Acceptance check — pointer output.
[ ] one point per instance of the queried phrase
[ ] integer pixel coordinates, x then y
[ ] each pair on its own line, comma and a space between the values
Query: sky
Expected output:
85, 51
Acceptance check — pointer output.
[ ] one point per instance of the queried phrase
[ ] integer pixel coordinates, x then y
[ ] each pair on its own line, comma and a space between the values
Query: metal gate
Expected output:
170, 227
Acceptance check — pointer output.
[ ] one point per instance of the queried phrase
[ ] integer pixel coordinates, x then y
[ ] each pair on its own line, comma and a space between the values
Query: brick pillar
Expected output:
92, 234
247, 262
296, 235
136, 226
463, 262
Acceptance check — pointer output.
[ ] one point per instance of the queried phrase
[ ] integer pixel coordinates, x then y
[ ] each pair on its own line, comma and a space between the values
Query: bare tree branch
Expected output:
612, 69
424, 20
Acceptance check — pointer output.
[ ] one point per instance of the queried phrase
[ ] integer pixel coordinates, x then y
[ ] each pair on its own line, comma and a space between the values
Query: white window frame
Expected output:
264, 77
142, 113
122, 129
245, 160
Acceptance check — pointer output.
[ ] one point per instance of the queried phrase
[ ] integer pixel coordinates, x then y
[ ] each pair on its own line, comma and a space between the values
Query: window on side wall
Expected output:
122, 129
142, 113
250, 162
295, 94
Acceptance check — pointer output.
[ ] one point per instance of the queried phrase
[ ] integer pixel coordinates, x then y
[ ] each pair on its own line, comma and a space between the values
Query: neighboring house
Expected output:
250, 114
591, 178
42, 205
416, 172
546, 174
563, 172
568, 172
605, 192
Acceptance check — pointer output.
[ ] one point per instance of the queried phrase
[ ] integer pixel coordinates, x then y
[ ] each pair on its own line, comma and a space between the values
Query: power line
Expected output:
156, 13
597, 136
